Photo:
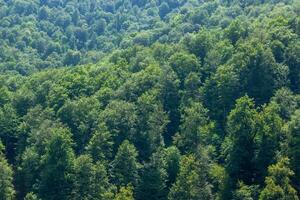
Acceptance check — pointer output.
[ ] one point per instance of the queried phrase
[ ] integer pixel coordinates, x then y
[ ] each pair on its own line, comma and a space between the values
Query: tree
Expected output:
81, 116
23, 100
241, 126
125, 165
153, 179
164, 9
7, 191
258, 71
5, 96
269, 138
193, 117
125, 193
191, 182
31, 196
9, 122
90, 180
173, 157
100, 26
152, 124
293, 127
235, 31
286, 101
120, 118
100, 145
72, 57
278, 184
200, 43
220, 91
292, 60
57, 165
245, 192
183, 64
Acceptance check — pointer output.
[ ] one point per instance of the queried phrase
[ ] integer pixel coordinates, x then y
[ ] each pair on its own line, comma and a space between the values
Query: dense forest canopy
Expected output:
149, 100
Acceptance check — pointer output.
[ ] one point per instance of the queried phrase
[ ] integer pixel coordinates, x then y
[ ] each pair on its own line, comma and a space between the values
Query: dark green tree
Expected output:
9, 122
125, 165
153, 179
292, 60
293, 127
173, 157
7, 191
56, 182
241, 128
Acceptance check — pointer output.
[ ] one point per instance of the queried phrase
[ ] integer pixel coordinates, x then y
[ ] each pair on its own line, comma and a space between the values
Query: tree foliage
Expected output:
149, 99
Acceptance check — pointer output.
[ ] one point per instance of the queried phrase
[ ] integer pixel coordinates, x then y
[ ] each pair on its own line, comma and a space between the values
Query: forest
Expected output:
149, 100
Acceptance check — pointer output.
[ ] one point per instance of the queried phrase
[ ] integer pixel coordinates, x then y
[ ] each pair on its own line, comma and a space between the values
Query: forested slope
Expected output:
169, 100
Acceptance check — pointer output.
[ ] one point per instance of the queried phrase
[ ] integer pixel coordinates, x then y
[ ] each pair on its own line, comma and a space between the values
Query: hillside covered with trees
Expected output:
149, 100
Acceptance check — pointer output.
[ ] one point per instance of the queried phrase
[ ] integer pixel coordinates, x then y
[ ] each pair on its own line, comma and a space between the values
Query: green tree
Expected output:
100, 145
241, 126
278, 184
153, 179
286, 101
293, 61
7, 191
31, 196
220, 91
23, 100
5, 96
269, 137
81, 116
72, 57
152, 124
184, 63
90, 180
125, 165
57, 165
164, 9
293, 127
245, 192
125, 193
173, 157
191, 182
120, 117
236, 30
258, 71
193, 117
200, 43
9, 122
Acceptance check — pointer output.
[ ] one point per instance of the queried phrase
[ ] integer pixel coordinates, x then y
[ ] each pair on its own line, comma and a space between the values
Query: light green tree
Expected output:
278, 183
